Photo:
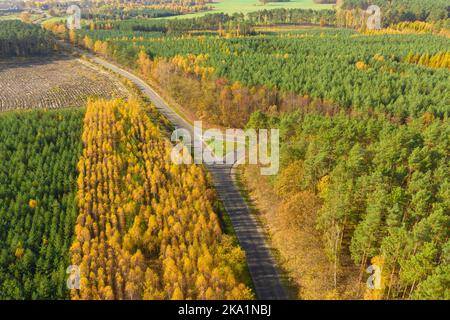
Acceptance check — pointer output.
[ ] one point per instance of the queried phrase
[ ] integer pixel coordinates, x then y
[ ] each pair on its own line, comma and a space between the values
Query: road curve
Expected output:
250, 235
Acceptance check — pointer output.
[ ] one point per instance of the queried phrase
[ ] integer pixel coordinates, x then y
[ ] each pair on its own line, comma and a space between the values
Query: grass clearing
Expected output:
16, 16
223, 147
246, 6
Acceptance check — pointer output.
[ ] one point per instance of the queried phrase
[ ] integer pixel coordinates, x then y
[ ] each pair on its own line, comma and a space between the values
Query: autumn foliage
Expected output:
146, 227
435, 61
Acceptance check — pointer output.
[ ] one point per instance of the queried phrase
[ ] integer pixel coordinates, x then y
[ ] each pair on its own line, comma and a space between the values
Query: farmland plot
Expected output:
53, 83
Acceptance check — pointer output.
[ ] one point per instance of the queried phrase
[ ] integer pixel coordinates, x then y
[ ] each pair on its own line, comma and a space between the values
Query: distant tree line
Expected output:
404, 10
20, 39
293, 16
117, 13
348, 15
224, 22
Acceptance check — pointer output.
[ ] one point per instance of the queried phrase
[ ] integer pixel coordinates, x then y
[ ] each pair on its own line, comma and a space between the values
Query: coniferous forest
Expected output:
18, 39
39, 151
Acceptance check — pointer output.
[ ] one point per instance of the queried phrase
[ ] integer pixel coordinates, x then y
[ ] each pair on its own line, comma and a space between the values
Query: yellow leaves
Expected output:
290, 179
100, 47
25, 17
152, 223
204, 263
236, 86
56, 27
108, 293
177, 294
87, 43
129, 207
406, 27
427, 118
241, 292
436, 61
360, 65
196, 193
281, 56
377, 280
323, 185
378, 57
300, 209
138, 207
138, 259
138, 195
32, 204
210, 70
72, 37
209, 294
413, 27
197, 70
193, 64
145, 64
200, 58
19, 251
61, 29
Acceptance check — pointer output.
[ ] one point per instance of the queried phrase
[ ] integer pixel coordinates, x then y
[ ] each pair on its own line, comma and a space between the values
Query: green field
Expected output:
16, 16
10, 17
222, 6
246, 6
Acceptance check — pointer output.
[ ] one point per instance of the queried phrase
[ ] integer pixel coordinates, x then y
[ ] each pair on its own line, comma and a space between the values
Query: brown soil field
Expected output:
55, 82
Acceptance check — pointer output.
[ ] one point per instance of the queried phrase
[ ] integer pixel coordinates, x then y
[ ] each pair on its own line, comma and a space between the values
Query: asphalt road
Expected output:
251, 237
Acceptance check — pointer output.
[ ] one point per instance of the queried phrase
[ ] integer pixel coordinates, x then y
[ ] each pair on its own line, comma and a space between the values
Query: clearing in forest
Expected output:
53, 82
246, 6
